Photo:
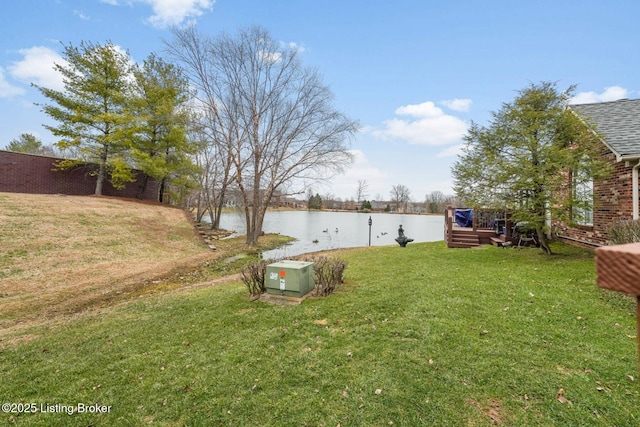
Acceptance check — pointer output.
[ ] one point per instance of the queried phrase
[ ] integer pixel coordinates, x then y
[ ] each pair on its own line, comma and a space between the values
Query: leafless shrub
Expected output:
253, 276
627, 231
327, 274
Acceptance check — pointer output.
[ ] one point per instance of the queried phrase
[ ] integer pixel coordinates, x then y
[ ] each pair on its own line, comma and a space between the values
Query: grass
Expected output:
422, 335
60, 255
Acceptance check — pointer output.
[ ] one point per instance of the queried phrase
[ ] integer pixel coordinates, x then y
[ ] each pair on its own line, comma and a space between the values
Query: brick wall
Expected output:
30, 173
612, 202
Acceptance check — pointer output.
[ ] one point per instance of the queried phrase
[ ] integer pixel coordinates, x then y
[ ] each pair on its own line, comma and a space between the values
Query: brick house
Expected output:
616, 197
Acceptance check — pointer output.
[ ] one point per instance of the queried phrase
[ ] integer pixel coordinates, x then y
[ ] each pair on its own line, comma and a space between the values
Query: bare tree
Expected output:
435, 201
329, 200
361, 191
215, 177
216, 128
401, 196
274, 116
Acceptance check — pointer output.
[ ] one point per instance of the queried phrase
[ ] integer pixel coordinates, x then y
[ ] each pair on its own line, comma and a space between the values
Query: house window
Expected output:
583, 196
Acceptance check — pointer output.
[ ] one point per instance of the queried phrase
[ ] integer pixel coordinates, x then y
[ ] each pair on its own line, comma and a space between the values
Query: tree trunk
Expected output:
100, 180
257, 217
102, 169
542, 240
199, 211
161, 190
142, 187
250, 227
215, 221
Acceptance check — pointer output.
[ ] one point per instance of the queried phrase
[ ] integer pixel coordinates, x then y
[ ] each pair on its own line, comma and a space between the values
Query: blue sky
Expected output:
414, 73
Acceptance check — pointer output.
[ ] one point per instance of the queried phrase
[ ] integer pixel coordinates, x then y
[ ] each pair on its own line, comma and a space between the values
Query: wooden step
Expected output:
462, 245
497, 241
464, 240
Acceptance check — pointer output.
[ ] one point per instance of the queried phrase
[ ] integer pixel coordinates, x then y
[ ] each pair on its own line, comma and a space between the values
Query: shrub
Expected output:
627, 231
327, 274
253, 276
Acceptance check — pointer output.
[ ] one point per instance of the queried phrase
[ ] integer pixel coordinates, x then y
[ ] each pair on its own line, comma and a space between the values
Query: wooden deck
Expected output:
489, 227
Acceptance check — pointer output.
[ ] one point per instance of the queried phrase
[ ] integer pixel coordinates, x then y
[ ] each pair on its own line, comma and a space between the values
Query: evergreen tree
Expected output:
315, 202
28, 143
528, 158
92, 109
160, 146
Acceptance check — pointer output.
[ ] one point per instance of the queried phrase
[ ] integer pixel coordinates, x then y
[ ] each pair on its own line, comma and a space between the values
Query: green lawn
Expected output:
422, 335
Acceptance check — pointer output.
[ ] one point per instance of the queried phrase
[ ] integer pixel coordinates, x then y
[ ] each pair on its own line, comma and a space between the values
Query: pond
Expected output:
320, 230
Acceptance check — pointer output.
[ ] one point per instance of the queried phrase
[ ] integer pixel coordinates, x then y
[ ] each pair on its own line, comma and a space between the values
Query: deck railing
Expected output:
484, 219
448, 224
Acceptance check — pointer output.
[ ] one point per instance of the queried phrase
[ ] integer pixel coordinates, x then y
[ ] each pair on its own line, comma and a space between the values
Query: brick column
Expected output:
618, 269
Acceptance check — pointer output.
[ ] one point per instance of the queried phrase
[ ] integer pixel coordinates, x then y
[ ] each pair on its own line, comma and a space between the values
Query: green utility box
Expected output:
290, 278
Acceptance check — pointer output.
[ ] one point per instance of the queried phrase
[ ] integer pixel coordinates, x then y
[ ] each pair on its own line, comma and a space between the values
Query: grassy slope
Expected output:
423, 335
62, 254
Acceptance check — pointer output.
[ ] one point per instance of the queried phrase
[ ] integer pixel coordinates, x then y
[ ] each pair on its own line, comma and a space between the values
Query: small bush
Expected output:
327, 274
253, 276
627, 231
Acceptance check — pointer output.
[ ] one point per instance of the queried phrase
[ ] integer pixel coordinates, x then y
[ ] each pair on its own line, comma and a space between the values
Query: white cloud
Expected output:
429, 126
457, 104
366, 129
111, 2
125, 53
276, 56
37, 67
272, 57
81, 15
345, 185
426, 109
174, 12
450, 151
611, 93
7, 90
362, 167
296, 47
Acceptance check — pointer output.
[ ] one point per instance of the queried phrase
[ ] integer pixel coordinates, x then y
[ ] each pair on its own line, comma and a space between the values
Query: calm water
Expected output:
334, 230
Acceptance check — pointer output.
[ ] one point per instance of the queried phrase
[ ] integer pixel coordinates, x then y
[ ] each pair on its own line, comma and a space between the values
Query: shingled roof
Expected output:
618, 122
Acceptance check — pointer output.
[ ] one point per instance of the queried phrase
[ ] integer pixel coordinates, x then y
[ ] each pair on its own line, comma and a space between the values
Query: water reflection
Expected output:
334, 230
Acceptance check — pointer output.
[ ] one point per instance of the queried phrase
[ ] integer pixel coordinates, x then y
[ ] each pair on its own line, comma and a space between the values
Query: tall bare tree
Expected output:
361, 191
215, 174
274, 116
435, 201
216, 127
401, 196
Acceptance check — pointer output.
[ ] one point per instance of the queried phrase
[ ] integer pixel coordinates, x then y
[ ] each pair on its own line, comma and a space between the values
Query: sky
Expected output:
413, 73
